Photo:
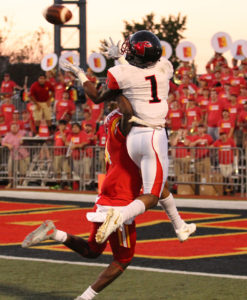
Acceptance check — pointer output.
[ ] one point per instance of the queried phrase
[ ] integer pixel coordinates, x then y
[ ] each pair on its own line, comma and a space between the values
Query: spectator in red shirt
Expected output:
76, 142
242, 98
174, 116
233, 107
87, 119
216, 61
89, 139
4, 127
226, 159
226, 73
181, 154
27, 122
224, 94
40, 95
16, 119
202, 140
97, 111
213, 114
7, 109
18, 155
61, 162
226, 124
203, 84
193, 114
208, 77
217, 83
64, 106
8, 85
203, 101
59, 88
186, 81
101, 142
184, 98
242, 124
184, 68
236, 81
50, 77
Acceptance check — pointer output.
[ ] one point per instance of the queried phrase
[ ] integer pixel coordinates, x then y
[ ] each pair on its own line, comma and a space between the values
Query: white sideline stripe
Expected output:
200, 203
130, 267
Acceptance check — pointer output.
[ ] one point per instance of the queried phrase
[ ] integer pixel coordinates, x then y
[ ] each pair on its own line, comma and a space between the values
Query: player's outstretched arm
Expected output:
97, 96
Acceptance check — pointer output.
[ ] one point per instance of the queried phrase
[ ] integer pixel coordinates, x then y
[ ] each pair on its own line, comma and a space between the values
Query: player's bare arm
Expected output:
97, 96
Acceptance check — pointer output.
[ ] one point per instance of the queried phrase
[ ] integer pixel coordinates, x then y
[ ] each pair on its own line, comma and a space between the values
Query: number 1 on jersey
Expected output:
154, 93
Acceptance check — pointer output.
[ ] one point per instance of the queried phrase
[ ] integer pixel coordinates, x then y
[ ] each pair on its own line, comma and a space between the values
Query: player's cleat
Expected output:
42, 233
79, 298
185, 231
114, 220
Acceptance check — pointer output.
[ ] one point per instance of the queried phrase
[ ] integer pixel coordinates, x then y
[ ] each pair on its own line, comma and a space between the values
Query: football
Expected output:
57, 14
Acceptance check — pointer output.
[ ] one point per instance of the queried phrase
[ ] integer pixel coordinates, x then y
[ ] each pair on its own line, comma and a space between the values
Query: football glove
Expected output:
111, 49
78, 72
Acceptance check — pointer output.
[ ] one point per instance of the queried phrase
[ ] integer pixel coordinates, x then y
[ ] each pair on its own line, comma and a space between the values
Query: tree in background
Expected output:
23, 49
168, 29
21, 55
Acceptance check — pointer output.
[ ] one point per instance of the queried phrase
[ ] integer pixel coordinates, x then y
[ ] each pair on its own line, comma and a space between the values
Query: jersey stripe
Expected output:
158, 182
112, 82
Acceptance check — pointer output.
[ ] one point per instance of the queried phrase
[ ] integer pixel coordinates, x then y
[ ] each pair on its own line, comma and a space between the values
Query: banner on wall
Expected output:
97, 62
239, 49
49, 62
221, 42
166, 49
186, 51
70, 56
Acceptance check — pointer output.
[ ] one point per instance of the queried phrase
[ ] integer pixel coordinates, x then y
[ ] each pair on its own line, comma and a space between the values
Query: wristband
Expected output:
82, 77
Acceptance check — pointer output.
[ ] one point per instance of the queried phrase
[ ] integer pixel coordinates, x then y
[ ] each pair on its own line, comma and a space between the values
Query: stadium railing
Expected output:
192, 170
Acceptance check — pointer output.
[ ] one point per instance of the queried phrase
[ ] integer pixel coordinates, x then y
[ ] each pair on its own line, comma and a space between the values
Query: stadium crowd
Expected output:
206, 110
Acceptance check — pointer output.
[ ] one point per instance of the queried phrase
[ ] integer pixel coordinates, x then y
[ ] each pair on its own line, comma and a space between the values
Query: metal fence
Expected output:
208, 170
53, 167
192, 170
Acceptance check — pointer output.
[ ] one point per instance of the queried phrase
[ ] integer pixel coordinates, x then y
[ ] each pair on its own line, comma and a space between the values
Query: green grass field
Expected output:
24, 280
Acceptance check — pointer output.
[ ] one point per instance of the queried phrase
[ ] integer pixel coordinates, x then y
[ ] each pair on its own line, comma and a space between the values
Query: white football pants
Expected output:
148, 149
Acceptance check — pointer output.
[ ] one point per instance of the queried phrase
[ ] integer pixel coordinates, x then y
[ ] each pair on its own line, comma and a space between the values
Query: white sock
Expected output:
59, 236
168, 204
135, 208
88, 294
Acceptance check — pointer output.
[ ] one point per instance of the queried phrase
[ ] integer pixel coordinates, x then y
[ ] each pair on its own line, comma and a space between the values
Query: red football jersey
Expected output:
123, 182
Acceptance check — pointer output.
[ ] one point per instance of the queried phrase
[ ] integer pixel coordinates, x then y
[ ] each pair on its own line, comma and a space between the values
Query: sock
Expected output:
134, 209
88, 294
59, 236
168, 204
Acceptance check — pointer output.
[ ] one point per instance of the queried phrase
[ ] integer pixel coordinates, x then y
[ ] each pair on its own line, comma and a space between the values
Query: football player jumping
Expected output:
144, 80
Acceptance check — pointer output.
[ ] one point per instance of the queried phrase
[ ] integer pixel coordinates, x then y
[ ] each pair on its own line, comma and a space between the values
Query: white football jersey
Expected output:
146, 89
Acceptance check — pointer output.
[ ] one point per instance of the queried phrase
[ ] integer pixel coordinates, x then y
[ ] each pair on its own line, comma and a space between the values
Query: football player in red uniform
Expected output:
121, 185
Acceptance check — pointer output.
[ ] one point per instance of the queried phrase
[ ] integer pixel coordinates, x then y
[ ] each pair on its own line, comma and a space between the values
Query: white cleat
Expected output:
114, 220
42, 233
79, 298
185, 231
